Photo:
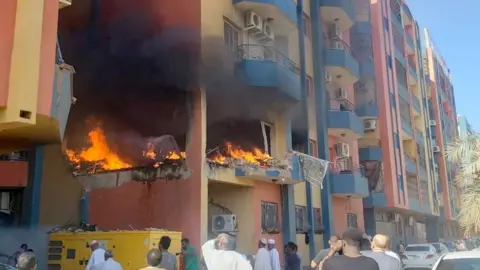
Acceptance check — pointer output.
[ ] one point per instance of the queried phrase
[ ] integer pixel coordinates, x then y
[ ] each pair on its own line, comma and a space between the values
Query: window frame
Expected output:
235, 29
313, 147
349, 221
265, 229
317, 214
302, 229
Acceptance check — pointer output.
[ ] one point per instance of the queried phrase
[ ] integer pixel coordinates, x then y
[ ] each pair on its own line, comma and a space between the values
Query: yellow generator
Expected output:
71, 250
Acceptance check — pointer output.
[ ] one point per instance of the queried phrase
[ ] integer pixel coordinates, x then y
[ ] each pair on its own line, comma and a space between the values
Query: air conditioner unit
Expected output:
336, 45
267, 32
433, 123
335, 31
397, 217
411, 221
253, 22
328, 76
224, 223
341, 93
369, 124
436, 149
342, 150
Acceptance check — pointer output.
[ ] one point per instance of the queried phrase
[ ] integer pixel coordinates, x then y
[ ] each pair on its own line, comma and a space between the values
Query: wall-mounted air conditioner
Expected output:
328, 76
342, 150
224, 223
253, 22
436, 149
341, 94
335, 31
369, 124
267, 32
433, 123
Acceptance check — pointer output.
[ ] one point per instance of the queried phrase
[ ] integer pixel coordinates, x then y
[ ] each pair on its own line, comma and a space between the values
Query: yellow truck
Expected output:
71, 250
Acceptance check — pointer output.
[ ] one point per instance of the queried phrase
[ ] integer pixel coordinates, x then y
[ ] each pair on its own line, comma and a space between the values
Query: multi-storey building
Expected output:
395, 150
464, 127
444, 129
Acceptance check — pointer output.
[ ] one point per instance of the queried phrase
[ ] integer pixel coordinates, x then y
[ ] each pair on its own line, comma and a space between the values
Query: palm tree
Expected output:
465, 153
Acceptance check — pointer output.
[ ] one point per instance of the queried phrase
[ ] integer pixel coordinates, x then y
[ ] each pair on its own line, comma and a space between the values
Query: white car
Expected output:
420, 256
462, 260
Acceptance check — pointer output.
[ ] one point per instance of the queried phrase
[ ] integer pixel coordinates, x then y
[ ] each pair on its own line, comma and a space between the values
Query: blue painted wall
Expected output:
31, 196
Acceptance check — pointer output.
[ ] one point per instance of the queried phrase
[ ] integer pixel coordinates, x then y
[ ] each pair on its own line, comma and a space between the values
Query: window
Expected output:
418, 248
309, 85
231, 36
352, 220
306, 25
270, 218
317, 214
301, 218
313, 147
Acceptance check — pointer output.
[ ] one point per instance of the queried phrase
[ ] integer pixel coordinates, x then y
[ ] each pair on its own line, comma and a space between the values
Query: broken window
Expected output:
352, 220
301, 218
270, 224
317, 214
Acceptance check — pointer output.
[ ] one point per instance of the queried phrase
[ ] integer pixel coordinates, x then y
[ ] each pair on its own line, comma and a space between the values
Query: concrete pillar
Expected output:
31, 196
369, 220
432, 229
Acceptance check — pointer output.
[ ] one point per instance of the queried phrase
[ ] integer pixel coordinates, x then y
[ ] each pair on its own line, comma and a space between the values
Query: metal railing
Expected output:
344, 106
337, 43
266, 53
15, 156
346, 166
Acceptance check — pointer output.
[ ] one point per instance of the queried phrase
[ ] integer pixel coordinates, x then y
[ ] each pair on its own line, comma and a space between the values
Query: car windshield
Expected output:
417, 248
460, 264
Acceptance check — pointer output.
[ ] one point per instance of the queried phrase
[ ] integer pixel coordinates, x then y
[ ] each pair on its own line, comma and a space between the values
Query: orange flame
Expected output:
98, 153
253, 157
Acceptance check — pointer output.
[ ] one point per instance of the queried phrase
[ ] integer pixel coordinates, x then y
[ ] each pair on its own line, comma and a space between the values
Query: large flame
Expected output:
235, 153
98, 153
151, 153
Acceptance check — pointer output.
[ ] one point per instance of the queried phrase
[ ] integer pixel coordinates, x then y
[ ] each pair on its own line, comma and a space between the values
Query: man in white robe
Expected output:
262, 258
274, 256
218, 255
97, 257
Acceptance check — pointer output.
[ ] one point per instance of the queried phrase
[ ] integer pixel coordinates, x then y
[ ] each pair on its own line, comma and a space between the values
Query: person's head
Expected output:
380, 242
165, 242
108, 254
24, 247
290, 248
154, 257
351, 240
271, 243
27, 261
224, 242
29, 250
94, 245
333, 240
185, 243
262, 243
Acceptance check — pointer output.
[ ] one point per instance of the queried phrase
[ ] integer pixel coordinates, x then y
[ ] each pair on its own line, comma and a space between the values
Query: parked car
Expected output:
420, 256
442, 247
465, 260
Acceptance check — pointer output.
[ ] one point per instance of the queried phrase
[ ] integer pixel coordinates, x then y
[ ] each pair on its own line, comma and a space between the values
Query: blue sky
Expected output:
451, 27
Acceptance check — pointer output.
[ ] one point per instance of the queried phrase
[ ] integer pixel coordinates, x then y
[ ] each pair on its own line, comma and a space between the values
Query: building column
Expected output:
193, 206
287, 193
84, 207
31, 195
369, 220
322, 106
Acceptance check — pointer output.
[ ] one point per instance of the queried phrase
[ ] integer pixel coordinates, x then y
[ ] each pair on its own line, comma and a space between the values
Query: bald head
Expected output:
381, 242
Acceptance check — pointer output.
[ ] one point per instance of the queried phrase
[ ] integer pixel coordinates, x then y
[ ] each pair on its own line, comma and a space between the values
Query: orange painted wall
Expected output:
341, 207
7, 28
13, 173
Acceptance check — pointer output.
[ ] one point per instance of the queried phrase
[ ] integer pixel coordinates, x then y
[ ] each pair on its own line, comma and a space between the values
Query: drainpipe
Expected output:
322, 107
304, 112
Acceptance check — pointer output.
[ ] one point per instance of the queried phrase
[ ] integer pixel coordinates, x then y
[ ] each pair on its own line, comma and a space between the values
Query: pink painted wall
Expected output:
7, 29
342, 207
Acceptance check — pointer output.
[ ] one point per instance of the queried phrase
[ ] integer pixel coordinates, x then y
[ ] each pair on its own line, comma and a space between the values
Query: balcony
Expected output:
417, 108
406, 15
370, 154
344, 123
367, 110
14, 170
64, 3
377, 199
397, 23
412, 75
339, 61
410, 45
403, 92
410, 165
407, 133
348, 179
400, 56
419, 136
283, 12
415, 205
265, 67
340, 12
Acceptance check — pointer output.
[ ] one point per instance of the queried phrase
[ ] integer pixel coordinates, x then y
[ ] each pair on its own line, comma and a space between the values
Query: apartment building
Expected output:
444, 129
464, 127
395, 150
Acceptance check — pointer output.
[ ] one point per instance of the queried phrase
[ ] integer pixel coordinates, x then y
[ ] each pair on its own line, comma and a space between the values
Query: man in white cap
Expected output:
98, 255
262, 258
274, 256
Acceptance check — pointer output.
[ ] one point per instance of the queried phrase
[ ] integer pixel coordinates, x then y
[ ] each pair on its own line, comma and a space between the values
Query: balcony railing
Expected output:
266, 53
337, 43
345, 106
419, 136
15, 156
407, 126
416, 104
346, 166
